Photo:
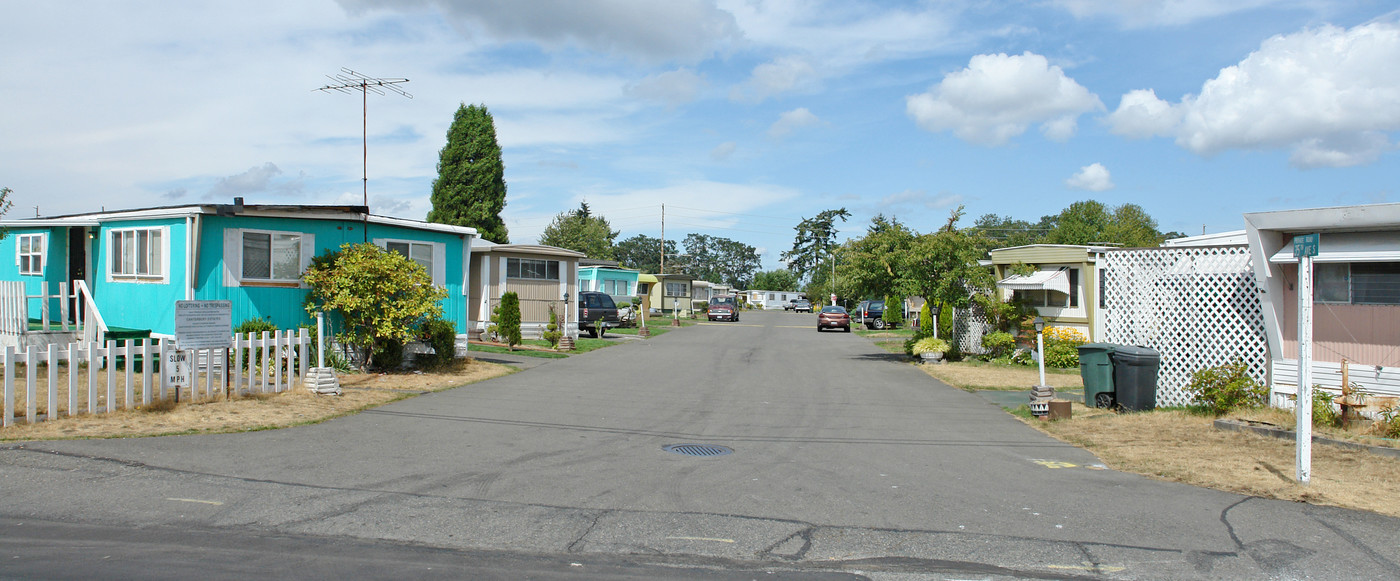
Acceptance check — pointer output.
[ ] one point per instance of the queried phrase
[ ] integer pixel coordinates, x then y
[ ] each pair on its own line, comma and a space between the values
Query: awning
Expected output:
1051, 280
1348, 247
644, 277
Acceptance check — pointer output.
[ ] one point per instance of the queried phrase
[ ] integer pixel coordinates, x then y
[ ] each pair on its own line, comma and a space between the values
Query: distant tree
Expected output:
814, 242
5, 204
470, 189
381, 297
643, 253
509, 326
781, 279
720, 260
1005, 231
582, 231
1089, 222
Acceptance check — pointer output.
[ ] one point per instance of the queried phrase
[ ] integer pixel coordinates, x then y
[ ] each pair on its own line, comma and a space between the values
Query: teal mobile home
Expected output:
136, 263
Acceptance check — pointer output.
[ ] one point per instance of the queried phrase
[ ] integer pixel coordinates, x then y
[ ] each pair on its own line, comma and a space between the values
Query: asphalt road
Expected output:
845, 463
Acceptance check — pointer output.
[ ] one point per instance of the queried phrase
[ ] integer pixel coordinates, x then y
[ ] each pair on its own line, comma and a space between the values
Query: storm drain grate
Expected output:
697, 449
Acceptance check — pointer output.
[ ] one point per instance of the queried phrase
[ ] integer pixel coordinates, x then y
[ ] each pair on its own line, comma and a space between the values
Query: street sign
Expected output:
1305, 245
204, 324
177, 368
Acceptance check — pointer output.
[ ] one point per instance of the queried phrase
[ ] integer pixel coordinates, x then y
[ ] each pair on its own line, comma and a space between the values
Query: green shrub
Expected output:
925, 322
930, 345
1227, 387
1061, 356
552, 334
1389, 422
893, 316
334, 359
388, 355
1323, 414
998, 344
509, 327
441, 335
254, 326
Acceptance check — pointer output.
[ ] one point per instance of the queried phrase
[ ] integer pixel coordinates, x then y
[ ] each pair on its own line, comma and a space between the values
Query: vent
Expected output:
701, 450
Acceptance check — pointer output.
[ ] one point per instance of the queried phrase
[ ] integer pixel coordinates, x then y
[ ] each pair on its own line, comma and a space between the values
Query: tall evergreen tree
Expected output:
470, 189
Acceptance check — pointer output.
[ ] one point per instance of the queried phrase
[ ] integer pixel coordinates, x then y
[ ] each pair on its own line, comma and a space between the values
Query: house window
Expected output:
419, 252
138, 253
1358, 283
31, 253
1073, 288
271, 256
675, 289
531, 268
1054, 299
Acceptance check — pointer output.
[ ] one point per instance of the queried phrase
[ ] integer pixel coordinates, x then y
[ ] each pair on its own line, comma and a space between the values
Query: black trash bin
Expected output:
1135, 377
1096, 369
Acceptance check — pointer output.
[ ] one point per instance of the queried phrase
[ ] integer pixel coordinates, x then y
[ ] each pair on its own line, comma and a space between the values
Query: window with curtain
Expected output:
137, 253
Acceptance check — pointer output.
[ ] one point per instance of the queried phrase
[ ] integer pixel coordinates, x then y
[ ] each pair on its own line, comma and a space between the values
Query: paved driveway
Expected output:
844, 460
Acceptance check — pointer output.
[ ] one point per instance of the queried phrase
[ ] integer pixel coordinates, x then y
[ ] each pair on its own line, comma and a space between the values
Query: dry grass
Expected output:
978, 375
255, 412
1178, 446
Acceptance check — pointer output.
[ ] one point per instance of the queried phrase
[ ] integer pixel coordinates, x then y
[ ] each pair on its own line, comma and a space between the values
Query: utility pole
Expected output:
663, 241
348, 81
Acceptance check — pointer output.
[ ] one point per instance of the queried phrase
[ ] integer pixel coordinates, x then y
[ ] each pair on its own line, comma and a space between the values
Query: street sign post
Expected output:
1305, 247
177, 369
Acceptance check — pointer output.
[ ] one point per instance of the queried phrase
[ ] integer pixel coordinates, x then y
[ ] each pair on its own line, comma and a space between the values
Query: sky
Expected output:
741, 117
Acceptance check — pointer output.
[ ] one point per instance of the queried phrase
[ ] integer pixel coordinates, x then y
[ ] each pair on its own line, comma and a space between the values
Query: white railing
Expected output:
94, 328
92, 377
76, 310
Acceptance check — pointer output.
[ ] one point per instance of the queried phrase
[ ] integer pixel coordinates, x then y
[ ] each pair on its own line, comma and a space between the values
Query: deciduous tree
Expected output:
379, 296
581, 230
775, 280
643, 253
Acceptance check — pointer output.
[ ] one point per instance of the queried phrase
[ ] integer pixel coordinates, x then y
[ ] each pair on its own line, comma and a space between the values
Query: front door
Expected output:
77, 266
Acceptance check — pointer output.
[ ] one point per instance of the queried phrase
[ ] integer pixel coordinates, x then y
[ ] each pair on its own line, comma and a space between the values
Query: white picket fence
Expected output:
260, 363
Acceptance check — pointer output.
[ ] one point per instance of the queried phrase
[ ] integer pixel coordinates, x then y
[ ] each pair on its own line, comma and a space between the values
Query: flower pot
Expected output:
931, 356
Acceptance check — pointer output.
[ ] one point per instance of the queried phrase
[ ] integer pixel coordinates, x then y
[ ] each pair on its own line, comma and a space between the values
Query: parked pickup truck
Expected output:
725, 308
597, 313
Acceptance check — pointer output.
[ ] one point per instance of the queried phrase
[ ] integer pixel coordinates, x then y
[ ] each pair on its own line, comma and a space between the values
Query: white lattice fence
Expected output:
1197, 306
969, 325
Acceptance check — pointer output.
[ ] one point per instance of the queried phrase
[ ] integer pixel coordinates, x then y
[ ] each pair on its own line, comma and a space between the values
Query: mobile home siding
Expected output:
141, 304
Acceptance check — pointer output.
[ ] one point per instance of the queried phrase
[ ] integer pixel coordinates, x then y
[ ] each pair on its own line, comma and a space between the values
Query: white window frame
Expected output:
436, 269
35, 256
680, 290
271, 267
116, 259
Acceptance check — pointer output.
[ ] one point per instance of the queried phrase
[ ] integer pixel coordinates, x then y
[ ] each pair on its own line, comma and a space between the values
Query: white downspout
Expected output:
189, 257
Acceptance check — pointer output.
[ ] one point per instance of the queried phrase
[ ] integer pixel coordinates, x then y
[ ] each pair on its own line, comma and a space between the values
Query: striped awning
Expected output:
1051, 280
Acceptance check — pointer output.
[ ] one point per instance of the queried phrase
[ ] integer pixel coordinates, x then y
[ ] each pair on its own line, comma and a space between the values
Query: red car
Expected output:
723, 308
834, 317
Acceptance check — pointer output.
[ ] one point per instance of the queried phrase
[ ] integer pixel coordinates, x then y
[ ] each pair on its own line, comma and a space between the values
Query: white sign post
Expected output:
1305, 248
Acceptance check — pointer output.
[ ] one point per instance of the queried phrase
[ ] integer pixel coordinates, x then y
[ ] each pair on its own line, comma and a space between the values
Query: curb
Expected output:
1284, 434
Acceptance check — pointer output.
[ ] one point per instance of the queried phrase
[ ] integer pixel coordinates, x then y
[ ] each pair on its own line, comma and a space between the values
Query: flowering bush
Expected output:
930, 345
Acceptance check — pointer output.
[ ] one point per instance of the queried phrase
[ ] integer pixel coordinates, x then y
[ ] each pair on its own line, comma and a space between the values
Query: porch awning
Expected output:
644, 277
1051, 280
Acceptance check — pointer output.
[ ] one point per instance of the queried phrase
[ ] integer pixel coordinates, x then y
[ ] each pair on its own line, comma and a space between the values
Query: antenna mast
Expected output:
348, 81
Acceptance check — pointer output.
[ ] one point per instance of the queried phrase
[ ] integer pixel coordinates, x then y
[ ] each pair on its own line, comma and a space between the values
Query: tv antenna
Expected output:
348, 81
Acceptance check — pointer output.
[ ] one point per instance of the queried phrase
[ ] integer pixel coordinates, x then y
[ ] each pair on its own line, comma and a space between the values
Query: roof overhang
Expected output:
1051, 280
1348, 247
648, 278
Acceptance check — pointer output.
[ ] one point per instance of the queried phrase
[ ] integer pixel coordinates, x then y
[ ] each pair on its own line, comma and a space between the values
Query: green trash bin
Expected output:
1096, 369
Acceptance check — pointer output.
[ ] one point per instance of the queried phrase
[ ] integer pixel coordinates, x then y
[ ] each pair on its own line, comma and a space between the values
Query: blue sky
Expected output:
741, 116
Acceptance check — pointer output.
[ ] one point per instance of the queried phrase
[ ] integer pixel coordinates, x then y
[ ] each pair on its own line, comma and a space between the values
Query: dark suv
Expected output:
871, 314
596, 313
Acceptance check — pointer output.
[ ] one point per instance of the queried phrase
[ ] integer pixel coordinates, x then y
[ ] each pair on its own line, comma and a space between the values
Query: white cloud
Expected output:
774, 78
1328, 94
1093, 177
997, 97
672, 87
1145, 13
257, 179
722, 151
792, 121
910, 198
646, 30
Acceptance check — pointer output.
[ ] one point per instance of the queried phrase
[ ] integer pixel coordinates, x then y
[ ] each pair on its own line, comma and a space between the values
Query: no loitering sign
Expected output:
204, 324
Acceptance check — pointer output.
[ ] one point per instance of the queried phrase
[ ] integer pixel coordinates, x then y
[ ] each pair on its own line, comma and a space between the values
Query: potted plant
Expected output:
930, 349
